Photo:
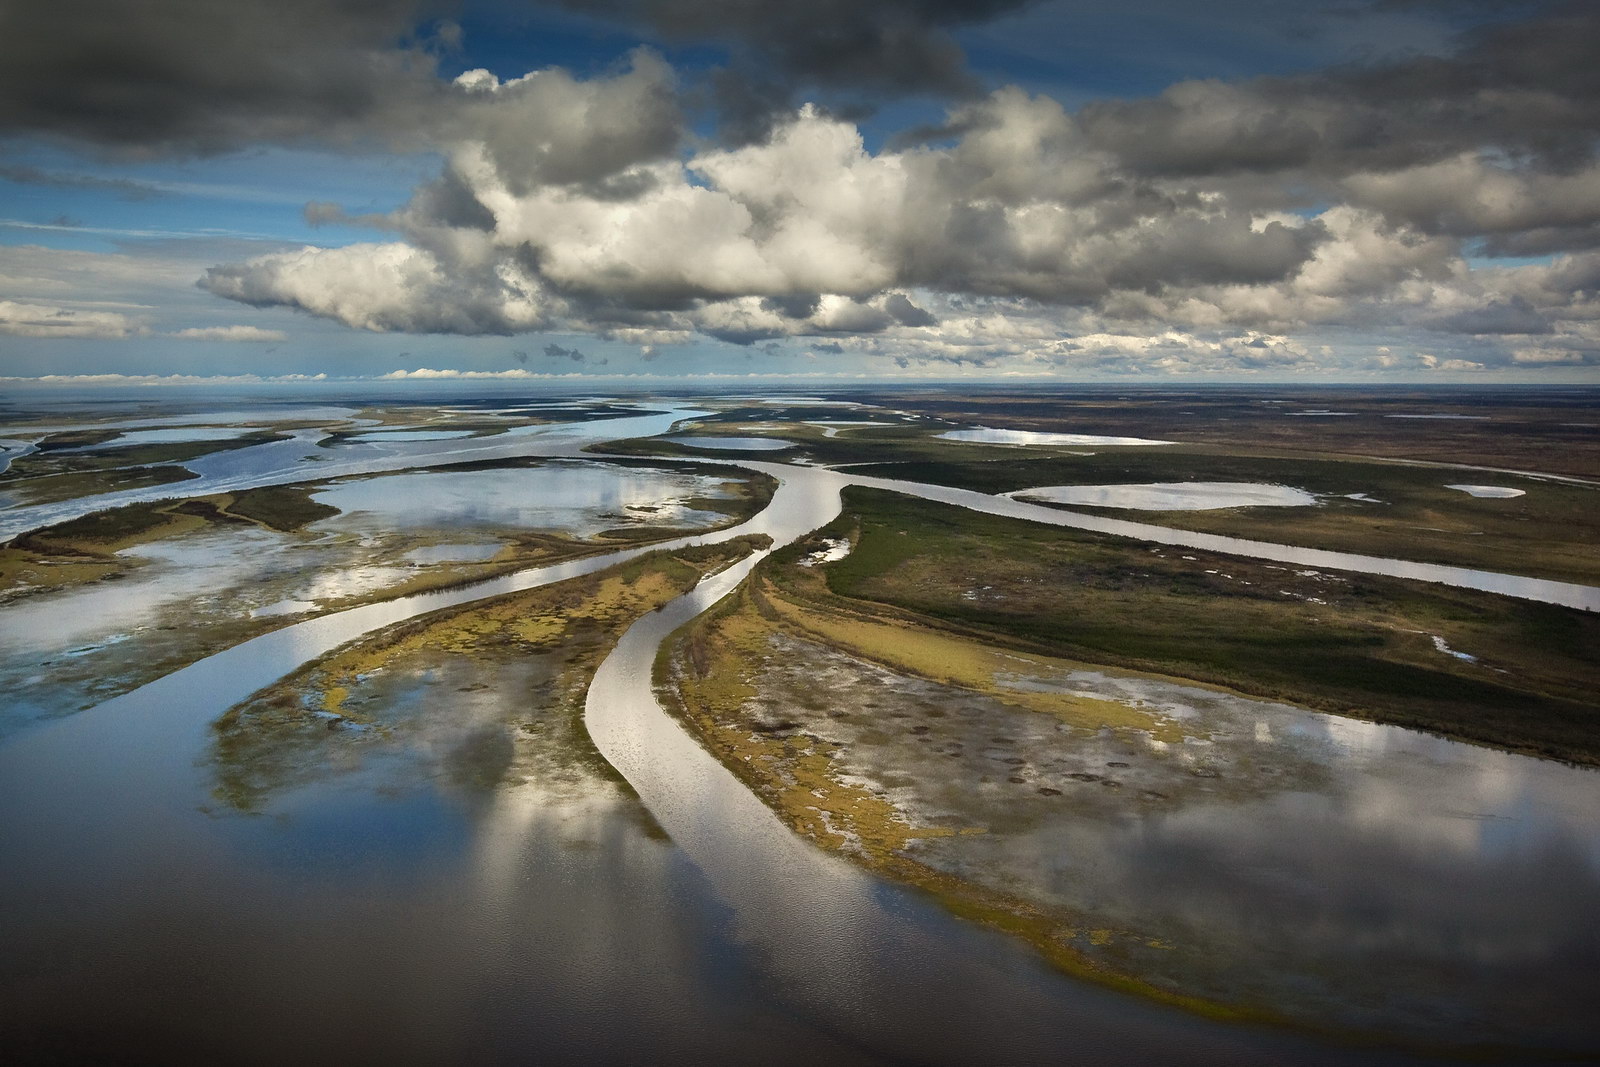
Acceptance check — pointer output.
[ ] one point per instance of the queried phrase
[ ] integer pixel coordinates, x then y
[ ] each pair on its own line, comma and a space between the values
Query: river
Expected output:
411, 929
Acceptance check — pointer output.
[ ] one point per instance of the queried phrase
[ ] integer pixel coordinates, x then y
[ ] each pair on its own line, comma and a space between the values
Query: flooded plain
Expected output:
577, 498
62, 651
1244, 851
455, 872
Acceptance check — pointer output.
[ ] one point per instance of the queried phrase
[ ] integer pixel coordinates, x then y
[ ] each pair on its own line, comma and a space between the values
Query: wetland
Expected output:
847, 727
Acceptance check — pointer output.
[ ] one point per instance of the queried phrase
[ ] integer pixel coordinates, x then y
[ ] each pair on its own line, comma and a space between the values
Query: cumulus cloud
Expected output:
244, 334
45, 320
446, 374
1237, 215
805, 232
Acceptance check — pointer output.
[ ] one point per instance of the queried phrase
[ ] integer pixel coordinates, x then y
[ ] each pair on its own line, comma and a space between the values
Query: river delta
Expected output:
847, 727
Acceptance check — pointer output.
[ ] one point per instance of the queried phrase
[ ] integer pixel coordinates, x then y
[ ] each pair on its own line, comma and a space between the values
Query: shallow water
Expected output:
452, 553
381, 436
175, 570
1173, 496
733, 444
302, 459
167, 437
422, 927
984, 435
572, 497
1324, 868
1489, 492
10, 450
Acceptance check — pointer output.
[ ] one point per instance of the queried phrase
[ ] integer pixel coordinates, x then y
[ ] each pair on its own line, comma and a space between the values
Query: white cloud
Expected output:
428, 373
245, 334
48, 320
561, 210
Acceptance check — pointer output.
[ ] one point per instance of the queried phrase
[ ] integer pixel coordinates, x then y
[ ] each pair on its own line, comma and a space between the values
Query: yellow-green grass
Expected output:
1551, 532
1366, 650
567, 627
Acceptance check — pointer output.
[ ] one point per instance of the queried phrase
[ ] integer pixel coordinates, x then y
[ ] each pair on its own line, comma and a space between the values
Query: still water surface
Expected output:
1173, 496
418, 927
423, 926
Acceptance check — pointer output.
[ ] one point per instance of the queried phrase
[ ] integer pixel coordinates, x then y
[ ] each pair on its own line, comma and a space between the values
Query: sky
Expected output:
687, 190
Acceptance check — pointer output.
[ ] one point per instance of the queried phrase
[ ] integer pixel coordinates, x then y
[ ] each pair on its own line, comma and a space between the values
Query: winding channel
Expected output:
94, 804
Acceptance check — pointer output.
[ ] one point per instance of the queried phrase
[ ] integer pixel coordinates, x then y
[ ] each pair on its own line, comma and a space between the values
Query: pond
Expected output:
179, 435
380, 436
733, 444
985, 435
572, 497
1173, 496
1489, 492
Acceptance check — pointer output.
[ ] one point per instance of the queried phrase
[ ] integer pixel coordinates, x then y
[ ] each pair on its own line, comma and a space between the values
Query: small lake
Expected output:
984, 435
573, 497
1489, 492
733, 444
380, 436
181, 435
1173, 496
300, 458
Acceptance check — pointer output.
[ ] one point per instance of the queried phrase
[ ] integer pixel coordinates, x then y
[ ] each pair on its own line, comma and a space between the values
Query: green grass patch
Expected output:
1365, 649
280, 507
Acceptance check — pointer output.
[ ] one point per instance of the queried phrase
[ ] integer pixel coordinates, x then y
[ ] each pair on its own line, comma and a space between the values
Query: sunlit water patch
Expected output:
175, 570
985, 435
1334, 870
578, 498
380, 436
177, 435
733, 444
1489, 492
1173, 496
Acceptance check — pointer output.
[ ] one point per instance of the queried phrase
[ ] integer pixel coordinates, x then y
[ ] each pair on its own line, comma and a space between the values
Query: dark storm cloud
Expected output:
208, 75
1526, 87
1496, 140
883, 46
589, 203
856, 53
